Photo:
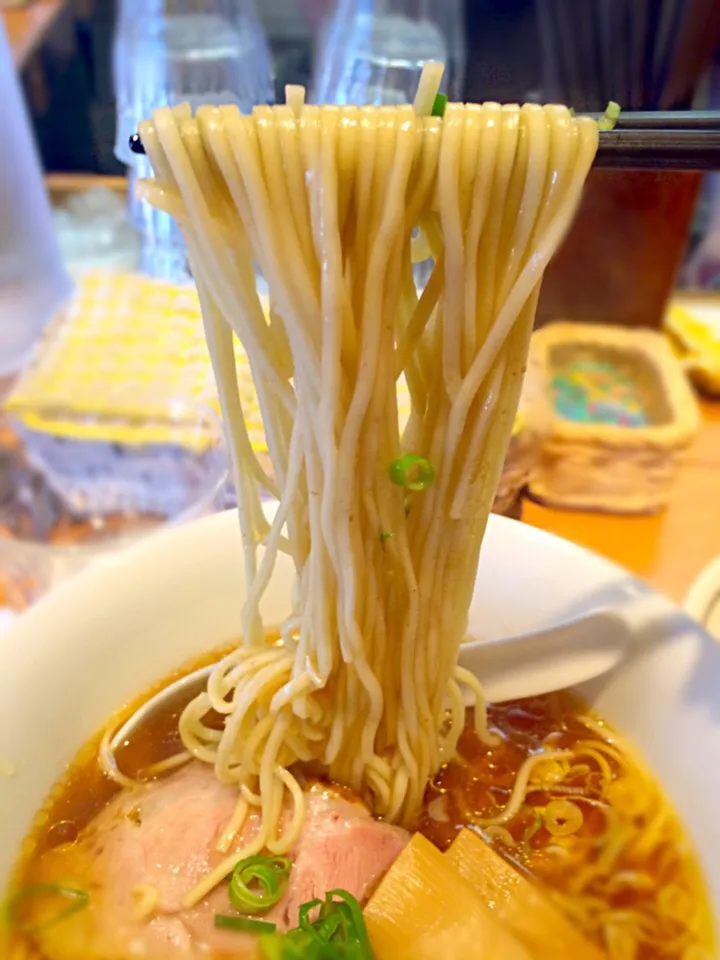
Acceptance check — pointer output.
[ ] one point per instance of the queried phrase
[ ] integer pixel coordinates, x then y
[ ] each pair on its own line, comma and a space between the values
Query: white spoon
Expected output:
525, 665
563, 655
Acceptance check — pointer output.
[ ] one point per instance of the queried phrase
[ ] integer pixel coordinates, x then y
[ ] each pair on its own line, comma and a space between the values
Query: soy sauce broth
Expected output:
476, 785
84, 789
628, 869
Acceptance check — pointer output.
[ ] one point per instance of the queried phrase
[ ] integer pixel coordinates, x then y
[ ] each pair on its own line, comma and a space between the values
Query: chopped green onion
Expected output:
385, 536
412, 472
338, 932
78, 900
269, 873
293, 947
304, 922
273, 947
327, 927
243, 924
337, 922
358, 931
610, 117
439, 104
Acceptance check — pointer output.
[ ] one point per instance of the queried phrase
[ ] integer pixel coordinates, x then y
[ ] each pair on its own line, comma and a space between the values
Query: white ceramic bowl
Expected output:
111, 631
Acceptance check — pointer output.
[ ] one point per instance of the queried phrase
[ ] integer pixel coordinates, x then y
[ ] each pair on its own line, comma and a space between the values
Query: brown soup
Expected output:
593, 827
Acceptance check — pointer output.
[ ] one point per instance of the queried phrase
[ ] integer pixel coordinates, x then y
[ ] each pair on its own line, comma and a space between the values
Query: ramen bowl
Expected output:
112, 631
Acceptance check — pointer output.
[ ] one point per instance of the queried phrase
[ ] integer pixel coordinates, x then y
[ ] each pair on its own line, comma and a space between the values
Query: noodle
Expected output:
147, 900
325, 200
608, 847
520, 788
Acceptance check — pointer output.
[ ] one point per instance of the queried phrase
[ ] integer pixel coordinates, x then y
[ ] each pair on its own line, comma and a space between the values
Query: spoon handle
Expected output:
642, 614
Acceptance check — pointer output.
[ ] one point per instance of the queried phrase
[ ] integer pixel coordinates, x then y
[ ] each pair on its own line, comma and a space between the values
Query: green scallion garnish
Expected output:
339, 921
439, 104
76, 900
337, 933
274, 947
279, 947
412, 472
357, 931
243, 924
270, 874
610, 117
304, 922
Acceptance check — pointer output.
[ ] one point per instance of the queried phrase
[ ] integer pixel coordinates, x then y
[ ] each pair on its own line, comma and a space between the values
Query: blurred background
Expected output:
110, 427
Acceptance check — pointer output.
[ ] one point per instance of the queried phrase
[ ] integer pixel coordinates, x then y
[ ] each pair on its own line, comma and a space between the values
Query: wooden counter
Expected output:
26, 27
669, 549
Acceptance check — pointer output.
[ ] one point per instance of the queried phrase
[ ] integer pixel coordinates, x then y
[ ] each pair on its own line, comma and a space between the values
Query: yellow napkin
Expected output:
127, 363
694, 328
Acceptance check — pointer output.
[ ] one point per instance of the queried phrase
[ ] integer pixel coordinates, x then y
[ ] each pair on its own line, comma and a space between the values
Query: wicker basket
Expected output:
620, 467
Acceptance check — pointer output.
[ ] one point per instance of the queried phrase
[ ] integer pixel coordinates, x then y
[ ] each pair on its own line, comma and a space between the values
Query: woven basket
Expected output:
608, 466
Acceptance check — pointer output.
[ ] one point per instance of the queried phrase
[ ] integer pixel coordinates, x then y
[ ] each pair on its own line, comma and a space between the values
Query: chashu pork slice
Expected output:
149, 847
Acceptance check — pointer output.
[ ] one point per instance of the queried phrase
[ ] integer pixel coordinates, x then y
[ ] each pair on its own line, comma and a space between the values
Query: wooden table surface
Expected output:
668, 549
26, 26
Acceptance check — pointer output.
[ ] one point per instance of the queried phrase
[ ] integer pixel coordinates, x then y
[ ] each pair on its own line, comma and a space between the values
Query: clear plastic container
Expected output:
126, 11
373, 51
65, 504
200, 51
94, 233
165, 53
33, 280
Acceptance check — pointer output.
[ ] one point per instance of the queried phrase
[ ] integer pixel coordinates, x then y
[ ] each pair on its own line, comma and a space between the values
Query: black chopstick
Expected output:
653, 140
657, 149
136, 145
665, 120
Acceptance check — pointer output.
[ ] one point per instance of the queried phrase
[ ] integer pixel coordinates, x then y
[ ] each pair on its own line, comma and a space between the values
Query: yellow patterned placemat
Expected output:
127, 362
124, 364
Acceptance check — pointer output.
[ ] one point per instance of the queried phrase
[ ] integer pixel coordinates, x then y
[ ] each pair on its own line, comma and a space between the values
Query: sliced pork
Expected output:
147, 848
341, 846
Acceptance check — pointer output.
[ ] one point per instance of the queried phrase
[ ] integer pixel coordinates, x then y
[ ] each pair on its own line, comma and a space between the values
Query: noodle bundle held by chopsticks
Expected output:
384, 528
